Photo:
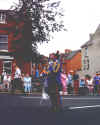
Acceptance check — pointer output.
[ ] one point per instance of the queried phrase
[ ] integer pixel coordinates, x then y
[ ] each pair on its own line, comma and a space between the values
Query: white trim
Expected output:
6, 57
3, 50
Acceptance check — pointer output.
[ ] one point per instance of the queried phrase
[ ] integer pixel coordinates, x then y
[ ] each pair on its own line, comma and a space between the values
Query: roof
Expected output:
6, 11
72, 54
92, 36
88, 43
9, 12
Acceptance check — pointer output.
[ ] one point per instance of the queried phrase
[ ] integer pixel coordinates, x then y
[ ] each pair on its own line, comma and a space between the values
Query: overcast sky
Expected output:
81, 18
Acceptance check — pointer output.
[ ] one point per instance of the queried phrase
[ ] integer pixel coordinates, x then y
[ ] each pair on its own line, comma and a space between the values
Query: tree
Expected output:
40, 17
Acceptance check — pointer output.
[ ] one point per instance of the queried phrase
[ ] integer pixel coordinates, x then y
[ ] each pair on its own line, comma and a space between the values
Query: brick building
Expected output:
72, 60
12, 47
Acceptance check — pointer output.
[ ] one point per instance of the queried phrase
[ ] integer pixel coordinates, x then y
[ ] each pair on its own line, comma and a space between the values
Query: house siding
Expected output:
93, 55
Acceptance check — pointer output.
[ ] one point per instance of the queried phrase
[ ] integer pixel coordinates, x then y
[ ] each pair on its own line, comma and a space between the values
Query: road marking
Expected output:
39, 97
81, 98
31, 97
71, 108
83, 107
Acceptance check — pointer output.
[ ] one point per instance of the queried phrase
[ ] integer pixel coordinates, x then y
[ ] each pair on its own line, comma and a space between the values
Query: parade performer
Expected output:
54, 87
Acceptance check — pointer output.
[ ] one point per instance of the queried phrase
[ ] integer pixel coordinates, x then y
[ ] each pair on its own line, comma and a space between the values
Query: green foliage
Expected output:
39, 17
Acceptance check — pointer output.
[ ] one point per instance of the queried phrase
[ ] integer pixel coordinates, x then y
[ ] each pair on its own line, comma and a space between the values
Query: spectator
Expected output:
5, 81
27, 84
82, 82
70, 83
37, 73
17, 84
76, 83
90, 85
9, 81
64, 81
44, 72
96, 81
83, 90
2, 75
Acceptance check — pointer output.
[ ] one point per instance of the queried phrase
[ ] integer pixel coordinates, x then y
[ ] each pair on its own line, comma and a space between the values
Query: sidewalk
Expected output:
33, 93
19, 92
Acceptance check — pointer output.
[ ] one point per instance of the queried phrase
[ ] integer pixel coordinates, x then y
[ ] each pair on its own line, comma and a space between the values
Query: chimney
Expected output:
67, 51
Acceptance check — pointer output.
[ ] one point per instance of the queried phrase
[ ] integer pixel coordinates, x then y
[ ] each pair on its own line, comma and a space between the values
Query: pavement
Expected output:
18, 109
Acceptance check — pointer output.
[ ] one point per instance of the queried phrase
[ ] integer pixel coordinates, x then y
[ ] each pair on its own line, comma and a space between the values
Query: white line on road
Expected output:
71, 108
39, 97
82, 98
83, 107
31, 97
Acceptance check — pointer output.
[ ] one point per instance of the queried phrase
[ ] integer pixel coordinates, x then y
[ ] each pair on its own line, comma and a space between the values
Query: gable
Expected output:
72, 54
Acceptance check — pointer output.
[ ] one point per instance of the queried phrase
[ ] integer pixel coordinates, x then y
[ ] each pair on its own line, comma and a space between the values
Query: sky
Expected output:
81, 17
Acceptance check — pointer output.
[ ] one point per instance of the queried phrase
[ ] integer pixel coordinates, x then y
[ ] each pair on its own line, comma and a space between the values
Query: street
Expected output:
26, 110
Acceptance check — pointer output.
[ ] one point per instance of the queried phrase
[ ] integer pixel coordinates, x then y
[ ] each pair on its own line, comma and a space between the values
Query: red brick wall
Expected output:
74, 63
25, 66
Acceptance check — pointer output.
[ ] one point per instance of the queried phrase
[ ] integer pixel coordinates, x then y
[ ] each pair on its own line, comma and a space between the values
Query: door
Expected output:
7, 67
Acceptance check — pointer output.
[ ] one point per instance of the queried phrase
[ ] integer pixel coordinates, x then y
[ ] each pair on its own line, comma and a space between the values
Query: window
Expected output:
2, 17
3, 42
86, 51
86, 63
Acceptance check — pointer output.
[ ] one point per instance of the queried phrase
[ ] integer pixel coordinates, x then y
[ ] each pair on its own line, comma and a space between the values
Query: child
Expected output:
27, 84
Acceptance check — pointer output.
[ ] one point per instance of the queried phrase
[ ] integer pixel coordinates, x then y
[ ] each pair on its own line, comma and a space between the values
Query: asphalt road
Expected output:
22, 110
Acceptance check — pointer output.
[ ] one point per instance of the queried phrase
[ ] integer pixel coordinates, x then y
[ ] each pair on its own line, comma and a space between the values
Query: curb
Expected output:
20, 93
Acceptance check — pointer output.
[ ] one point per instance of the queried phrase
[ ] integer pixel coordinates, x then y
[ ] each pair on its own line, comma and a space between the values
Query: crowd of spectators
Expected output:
72, 83
87, 85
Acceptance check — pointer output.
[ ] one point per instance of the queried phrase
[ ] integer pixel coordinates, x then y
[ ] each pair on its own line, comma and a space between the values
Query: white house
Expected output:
91, 54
